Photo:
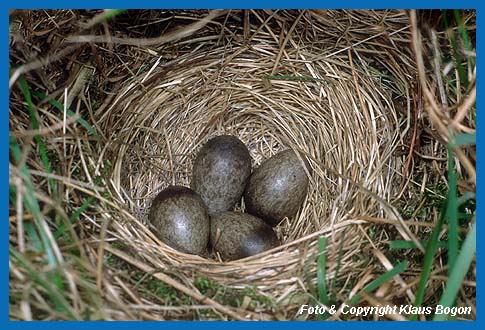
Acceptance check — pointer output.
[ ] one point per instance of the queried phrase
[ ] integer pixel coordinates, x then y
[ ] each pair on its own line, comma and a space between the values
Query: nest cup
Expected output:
307, 91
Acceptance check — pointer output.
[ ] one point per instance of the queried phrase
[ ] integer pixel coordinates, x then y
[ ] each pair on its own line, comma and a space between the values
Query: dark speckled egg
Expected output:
240, 235
277, 188
220, 172
180, 219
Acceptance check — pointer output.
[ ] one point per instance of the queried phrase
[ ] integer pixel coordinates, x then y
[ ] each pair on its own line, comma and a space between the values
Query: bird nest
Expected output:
302, 83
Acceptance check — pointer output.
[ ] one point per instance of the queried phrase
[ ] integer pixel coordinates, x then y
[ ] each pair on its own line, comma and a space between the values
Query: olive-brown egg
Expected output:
220, 172
239, 235
180, 219
277, 188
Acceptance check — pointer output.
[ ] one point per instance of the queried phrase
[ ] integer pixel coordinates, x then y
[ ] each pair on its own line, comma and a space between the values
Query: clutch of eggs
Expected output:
188, 219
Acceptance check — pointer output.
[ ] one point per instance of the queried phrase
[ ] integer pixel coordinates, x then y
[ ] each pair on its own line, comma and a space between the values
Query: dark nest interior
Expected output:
107, 108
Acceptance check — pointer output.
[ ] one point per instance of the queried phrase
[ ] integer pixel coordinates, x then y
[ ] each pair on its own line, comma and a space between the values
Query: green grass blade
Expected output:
459, 271
451, 85
452, 212
110, 13
387, 276
456, 53
70, 113
322, 275
73, 217
465, 197
321, 270
465, 139
38, 139
15, 149
406, 245
28, 99
449, 211
465, 216
339, 262
428, 260
33, 237
464, 35
306, 269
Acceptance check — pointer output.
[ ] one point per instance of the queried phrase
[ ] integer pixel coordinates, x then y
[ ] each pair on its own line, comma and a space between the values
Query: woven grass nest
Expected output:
336, 110
335, 85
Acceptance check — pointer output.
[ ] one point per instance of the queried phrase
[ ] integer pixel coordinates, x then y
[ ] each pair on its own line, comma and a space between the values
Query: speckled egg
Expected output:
220, 172
277, 188
180, 219
239, 235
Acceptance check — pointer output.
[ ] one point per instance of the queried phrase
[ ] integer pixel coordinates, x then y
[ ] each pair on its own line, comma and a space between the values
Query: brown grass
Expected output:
340, 86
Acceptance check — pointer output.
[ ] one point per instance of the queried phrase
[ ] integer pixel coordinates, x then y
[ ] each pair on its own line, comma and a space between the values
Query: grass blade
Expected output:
449, 211
459, 271
465, 139
464, 35
34, 238
322, 275
38, 139
465, 197
110, 13
321, 270
70, 113
405, 245
452, 212
73, 217
456, 52
428, 260
399, 268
